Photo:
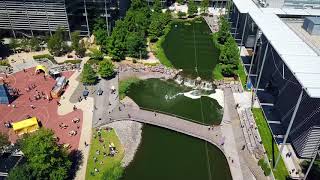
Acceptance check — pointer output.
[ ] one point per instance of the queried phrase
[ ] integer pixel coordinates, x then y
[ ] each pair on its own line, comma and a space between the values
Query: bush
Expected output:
43, 56
181, 14
124, 86
76, 61
4, 63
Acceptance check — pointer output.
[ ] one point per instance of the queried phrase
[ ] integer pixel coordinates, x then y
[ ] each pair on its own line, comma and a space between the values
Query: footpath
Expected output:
87, 107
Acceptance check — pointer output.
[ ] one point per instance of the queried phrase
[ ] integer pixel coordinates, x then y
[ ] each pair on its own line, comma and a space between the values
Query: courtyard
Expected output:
44, 110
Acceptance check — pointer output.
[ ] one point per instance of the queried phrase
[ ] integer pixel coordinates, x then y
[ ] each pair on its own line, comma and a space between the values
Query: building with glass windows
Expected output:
284, 70
27, 17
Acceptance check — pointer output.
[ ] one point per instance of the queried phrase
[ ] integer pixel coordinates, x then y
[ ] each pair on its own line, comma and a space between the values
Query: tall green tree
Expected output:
224, 30
158, 23
75, 38
96, 55
229, 57
88, 75
136, 45
4, 141
81, 50
56, 45
20, 172
116, 43
14, 44
204, 5
34, 44
106, 69
45, 159
157, 6
192, 8
100, 32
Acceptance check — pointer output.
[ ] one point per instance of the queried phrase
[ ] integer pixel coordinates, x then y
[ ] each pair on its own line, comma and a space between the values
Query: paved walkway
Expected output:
169, 122
87, 107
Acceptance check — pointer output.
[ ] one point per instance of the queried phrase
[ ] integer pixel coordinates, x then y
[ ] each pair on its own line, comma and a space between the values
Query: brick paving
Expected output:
45, 111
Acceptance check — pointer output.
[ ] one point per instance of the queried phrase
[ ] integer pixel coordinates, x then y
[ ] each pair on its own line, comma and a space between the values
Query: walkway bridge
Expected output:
172, 122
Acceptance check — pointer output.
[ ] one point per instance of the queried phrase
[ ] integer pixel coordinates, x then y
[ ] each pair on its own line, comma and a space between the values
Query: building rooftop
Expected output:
287, 44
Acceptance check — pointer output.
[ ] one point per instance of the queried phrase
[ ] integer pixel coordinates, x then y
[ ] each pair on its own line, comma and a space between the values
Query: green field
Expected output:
270, 146
107, 162
189, 46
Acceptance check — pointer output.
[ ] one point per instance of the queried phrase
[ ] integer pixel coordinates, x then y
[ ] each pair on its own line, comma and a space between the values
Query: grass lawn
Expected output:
189, 46
108, 162
242, 75
281, 172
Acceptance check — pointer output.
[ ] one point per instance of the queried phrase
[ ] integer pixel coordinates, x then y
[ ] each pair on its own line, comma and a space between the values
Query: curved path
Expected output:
170, 122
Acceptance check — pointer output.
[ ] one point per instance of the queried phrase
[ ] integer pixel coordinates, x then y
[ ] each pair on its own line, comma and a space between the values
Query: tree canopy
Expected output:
106, 68
88, 75
224, 30
45, 159
157, 6
204, 6
229, 57
192, 8
158, 24
56, 44
4, 141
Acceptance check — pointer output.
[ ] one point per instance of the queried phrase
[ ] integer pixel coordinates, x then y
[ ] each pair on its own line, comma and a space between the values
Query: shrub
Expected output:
43, 56
4, 63
181, 14
75, 61
124, 86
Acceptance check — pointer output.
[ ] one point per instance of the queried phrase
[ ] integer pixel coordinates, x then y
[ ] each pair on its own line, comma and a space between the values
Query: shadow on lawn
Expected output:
76, 158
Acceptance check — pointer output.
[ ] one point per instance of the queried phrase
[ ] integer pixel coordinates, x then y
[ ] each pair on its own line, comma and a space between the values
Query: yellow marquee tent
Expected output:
43, 68
25, 126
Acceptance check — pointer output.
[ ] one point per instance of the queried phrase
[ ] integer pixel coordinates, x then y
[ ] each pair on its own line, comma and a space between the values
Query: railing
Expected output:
174, 115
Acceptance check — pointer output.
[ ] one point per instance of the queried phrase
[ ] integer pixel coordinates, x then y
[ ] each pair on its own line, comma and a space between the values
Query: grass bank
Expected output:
159, 51
103, 164
242, 74
270, 146
124, 86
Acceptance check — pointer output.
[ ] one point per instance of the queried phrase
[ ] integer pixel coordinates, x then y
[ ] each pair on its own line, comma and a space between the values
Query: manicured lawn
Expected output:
281, 172
189, 46
108, 162
242, 75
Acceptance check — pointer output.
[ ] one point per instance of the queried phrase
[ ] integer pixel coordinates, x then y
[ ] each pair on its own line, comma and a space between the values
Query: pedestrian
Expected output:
74, 107
155, 114
32, 106
119, 108
85, 144
129, 116
99, 119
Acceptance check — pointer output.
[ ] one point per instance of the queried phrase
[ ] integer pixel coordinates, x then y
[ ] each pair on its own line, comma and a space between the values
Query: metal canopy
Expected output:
303, 62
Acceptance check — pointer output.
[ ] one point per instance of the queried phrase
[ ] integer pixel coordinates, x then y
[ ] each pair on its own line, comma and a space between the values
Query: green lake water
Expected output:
166, 96
168, 155
189, 46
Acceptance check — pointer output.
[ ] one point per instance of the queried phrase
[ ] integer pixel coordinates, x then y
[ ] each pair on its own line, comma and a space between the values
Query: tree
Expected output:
181, 14
192, 8
4, 141
96, 54
56, 45
81, 51
157, 6
204, 6
114, 173
88, 75
24, 44
106, 69
180, 1
229, 57
45, 159
100, 31
14, 44
75, 38
116, 43
34, 44
135, 44
21, 172
224, 30
158, 24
